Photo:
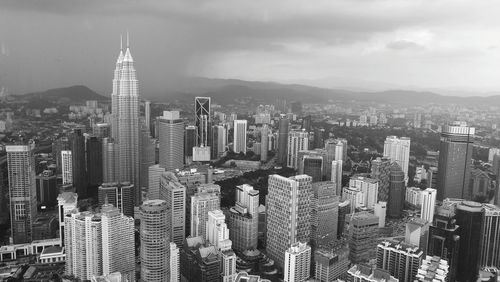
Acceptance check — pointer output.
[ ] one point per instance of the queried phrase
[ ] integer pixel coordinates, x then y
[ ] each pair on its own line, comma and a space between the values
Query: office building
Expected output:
147, 158
287, 213
313, 166
396, 192
154, 177
175, 266
171, 140
297, 141
240, 136
331, 263
221, 140
434, 269
244, 219
101, 130
362, 232
336, 175
398, 150
319, 138
67, 168
202, 119
109, 171
469, 216
155, 241
59, 145
381, 170
22, 191
428, 204
201, 204
490, 245
365, 273
315, 154
66, 203
79, 165
455, 153
368, 188
190, 141
399, 259
417, 233
147, 115
355, 198
46, 188
380, 210
174, 193
282, 141
218, 236
120, 195
264, 141
94, 161
413, 197
344, 209
324, 213
297, 262
125, 121
118, 247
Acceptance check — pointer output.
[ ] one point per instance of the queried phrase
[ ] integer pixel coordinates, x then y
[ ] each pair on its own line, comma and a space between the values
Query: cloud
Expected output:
404, 44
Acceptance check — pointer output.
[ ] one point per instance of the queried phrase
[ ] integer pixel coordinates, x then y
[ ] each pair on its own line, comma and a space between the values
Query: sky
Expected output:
443, 45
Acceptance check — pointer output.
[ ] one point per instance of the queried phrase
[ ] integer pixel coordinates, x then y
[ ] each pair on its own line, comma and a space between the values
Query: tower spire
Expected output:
127, 40
121, 42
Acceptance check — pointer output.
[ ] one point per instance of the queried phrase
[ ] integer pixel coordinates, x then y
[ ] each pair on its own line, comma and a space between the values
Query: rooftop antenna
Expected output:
121, 42
127, 40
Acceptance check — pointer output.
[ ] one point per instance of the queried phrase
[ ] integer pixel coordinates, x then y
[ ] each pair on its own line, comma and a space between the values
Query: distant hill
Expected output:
67, 95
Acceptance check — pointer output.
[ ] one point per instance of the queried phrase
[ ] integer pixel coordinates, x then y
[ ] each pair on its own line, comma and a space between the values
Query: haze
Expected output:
450, 46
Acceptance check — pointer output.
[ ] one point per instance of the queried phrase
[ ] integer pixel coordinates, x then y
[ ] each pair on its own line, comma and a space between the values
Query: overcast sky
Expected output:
452, 44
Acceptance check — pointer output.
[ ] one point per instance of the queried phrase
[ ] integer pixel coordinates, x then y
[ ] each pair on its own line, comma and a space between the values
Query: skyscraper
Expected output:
66, 203
59, 145
313, 166
147, 115
297, 262
336, 175
469, 216
397, 193
190, 141
490, 246
240, 136
297, 141
398, 150
282, 140
288, 214
94, 161
331, 263
174, 193
67, 168
381, 170
79, 166
202, 119
221, 140
108, 160
171, 136
455, 153
368, 188
125, 120
155, 243
175, 267
147, 158
324, 213
244, 218
120, 195
22, 191
362, 231
428, 204
201, 204
46, 188
264, 141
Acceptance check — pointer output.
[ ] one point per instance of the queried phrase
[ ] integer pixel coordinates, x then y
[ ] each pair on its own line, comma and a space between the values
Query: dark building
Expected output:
59, 145
45, 227
313, 166
469, 216
381, 170
455, 153
444, 241
319, 138
214, 142
190, 140
79, 164
120, 195
94, 161
306, 123
396, 192
296, 107
46, 188
282, 141
198, 262
344, 209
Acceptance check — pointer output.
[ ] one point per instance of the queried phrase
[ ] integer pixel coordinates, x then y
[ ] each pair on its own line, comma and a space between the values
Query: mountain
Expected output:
74, 94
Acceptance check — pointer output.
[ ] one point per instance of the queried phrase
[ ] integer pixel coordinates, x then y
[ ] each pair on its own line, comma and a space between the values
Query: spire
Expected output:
121, 42
127, 40
120, 56
128, 56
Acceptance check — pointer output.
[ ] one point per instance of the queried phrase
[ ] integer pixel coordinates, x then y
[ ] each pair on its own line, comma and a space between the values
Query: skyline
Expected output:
378, 45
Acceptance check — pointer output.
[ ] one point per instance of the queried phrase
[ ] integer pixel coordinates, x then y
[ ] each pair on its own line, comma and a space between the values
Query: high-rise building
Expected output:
297, 262
240, 136
399, 259
244, 218
202, 119
154, 175
147, 114
316, 155
147, 158
331, 263
155, 243
455, 154
108, 160
368, 188
264, 141
398, 150
380, 210
282, 140
344, 209
221, 140
428, 204
319, 138
59, 145
22, 191
46, 188
297, 141
101, 130
336, 176
490, 246
125, 121
469, 216
313, 166
201, 204
381, 170
396, 192
362, 232
171, 138
94, 161
67, 168
365, 273
288, 214
174, 193
190, 141
433, 268
218, 236
118, 248
78, 164
66, 203
417, 233
120, 195
355, 198
324, 213
175, 267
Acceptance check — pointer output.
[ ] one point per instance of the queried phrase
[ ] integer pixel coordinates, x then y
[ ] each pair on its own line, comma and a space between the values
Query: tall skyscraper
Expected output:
59, 145
282, 140
297, 141
175, 267
469, 216
108, 160
362, 232
174, 193
381, 170
147, 158
202, 119
118, 248
201, 204
94, 161
319, 138
490, 246
397, 193
398, 150
324, 213
22, 191
67, 168
125, 121
155, 243
46, 188
244, 219
240, 136
368, 188
79, 165
190, 141
147, 115
399, 259
455, 154
264, 141
171, 136
428, 204
297, 262
313, 166
288, 214
336, 175
120, 195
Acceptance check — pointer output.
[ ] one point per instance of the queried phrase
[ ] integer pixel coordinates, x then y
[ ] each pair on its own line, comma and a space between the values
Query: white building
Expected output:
217, 231
297, 262
201, 204
172, 191
171, 140
175, 271
380, 210
240, 136
413, 196
398, 150
337, 175
368, 187
428, 204
67, 167
154, 173
297, 141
